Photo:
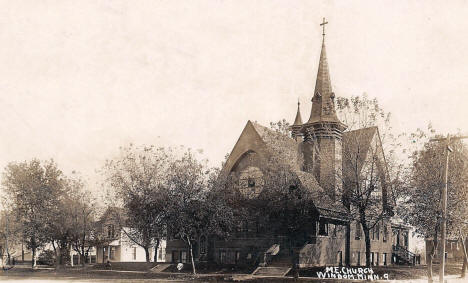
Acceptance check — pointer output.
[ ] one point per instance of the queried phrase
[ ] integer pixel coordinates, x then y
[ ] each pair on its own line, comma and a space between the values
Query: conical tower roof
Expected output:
298, 120
323, 104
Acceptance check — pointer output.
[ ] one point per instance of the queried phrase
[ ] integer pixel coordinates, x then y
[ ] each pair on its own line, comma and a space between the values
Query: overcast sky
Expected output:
78, 79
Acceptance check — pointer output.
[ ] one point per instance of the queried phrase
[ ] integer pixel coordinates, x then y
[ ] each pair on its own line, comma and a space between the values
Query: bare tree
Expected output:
371, 175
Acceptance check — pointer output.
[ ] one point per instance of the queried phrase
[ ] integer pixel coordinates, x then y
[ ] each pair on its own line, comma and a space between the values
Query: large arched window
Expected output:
251, 181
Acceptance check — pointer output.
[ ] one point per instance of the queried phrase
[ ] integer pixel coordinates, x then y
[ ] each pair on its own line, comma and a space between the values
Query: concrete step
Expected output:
272, 271
160, 267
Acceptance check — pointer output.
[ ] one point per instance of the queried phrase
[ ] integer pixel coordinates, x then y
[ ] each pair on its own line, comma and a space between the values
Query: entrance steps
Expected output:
160, 267
273, 271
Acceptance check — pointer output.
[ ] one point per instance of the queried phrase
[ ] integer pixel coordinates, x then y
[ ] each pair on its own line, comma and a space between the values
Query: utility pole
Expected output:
443, 231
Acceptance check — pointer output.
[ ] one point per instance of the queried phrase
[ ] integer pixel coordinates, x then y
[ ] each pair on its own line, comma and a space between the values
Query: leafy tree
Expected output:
282, 127
83, 211
35, 190
10, 235
138, 177
193, 209
422, 209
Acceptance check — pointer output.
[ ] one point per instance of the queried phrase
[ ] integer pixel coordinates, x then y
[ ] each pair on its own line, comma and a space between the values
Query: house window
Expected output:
161, 252
358, 231
112, 253
323, 227
372, 258
359, 258
377, 258
134, 249
384, 258
110, 231
405, 235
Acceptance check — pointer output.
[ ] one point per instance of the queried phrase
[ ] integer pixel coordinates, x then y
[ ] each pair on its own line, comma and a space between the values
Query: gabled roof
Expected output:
288, 150
356, 144
114, 214
280, 144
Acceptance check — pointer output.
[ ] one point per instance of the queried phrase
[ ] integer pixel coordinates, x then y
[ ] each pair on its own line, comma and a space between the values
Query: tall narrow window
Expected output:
110, 231
237, 256
222, 256
385, 233
358, 231
112, 253
323, 229
332, 229
183, 256
134, 253
202, 245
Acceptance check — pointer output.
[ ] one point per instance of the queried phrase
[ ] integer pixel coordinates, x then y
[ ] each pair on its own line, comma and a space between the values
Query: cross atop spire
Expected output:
323, 28
323, 100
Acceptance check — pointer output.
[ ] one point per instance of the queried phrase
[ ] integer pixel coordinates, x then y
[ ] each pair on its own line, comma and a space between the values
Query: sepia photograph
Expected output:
233, 141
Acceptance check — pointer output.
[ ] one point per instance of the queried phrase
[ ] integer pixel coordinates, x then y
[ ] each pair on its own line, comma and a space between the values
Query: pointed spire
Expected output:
298, 120
323, 104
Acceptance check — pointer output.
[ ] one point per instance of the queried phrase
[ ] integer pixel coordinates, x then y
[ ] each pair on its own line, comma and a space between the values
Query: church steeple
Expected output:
323, 132
323, 100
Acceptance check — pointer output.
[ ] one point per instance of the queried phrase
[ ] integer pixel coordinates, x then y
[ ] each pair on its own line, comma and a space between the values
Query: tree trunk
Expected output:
82, 255
463, 273
430, 258
56, 254
33, 261
156, 247
191, 256
362, 216
368, 247
465, 256
147, 254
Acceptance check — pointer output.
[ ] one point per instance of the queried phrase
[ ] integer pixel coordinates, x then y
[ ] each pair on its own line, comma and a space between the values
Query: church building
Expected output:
315, 151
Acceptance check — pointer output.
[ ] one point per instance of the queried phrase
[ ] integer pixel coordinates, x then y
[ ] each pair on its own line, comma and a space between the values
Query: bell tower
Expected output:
322, 146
